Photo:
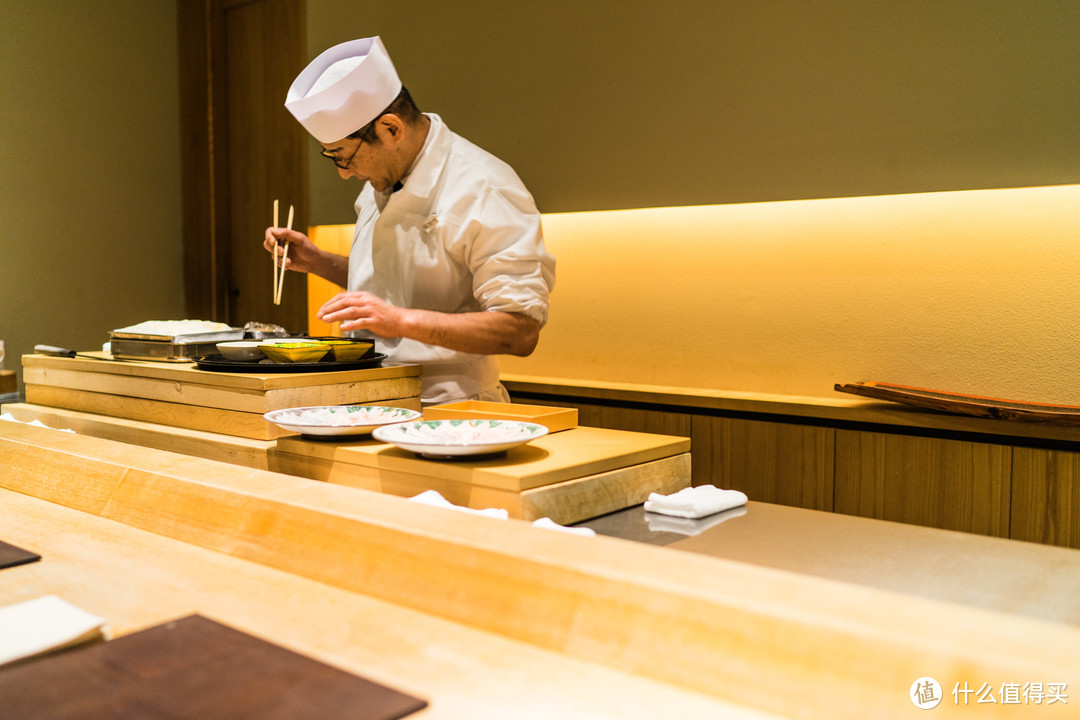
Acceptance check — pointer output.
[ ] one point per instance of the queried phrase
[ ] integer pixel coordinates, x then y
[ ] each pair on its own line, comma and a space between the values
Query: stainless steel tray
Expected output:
163, 348
216, 337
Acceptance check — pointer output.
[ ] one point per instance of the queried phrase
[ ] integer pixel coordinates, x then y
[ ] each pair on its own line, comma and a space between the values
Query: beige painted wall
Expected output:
89, 170
602, 105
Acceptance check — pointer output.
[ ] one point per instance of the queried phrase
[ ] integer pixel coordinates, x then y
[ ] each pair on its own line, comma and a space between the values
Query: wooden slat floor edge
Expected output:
773, 640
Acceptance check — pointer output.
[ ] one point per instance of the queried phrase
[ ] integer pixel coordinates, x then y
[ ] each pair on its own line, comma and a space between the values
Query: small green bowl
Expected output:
350, 350
301, 352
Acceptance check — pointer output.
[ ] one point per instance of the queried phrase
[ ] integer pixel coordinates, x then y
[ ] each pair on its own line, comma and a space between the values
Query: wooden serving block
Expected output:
567, 476
182, 395
555, 419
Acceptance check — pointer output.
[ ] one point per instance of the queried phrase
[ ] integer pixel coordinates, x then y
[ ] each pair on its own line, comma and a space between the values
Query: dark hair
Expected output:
403, 106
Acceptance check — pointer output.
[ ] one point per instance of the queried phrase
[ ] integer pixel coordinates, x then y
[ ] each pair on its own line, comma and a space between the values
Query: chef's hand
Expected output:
303, 257
364, 311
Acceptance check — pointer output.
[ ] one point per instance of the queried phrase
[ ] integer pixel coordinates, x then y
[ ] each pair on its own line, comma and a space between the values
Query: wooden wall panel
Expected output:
781, 463
1046, 496
636, 419
772, 462
950, 484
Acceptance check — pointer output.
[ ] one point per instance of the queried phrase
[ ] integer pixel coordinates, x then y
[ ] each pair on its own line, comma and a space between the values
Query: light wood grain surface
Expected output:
189, 372
182, 395
136, 579
765, 638
556, 457
193, 390
212, 446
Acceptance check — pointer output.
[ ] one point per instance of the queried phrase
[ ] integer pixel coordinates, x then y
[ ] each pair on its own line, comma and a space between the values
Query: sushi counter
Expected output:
570, 474
474, 616
178, 506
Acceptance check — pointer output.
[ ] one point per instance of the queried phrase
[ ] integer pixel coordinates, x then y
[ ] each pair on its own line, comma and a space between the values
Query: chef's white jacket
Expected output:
462, 235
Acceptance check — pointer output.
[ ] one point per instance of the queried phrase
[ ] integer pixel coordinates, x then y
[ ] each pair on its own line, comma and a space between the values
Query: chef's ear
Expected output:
392, 124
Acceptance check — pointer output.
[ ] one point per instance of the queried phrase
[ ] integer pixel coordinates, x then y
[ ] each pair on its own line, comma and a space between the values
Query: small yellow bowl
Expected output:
350, 350
306, 352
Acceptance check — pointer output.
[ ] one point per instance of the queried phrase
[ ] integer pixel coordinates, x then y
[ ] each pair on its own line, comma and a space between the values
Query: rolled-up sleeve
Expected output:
512, 269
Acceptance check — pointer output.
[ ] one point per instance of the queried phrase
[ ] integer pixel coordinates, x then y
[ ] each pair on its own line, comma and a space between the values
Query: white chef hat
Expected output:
344, 89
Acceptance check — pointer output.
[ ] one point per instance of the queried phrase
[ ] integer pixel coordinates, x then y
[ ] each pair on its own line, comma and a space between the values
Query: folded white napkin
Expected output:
36, 423
695, 502
435, 499
549, 524
690, 526
43, 624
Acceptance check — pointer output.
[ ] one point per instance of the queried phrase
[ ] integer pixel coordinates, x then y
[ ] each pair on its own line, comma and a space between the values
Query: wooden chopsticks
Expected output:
279, 280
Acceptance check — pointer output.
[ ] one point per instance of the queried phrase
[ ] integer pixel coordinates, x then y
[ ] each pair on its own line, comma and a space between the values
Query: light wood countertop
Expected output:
136, 579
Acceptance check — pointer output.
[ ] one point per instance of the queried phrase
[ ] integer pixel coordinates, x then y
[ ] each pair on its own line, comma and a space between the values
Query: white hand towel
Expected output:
687, 526
43, 624
695, 502
435, 499
549, 524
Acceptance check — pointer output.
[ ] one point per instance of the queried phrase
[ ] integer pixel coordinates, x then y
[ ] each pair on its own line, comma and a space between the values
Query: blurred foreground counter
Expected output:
492, 618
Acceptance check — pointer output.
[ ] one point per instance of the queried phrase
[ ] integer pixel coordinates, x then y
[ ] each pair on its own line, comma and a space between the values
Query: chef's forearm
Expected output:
483, 333
334, 268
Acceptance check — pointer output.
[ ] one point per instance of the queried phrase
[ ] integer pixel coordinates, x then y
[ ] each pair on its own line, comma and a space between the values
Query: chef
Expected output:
448, 267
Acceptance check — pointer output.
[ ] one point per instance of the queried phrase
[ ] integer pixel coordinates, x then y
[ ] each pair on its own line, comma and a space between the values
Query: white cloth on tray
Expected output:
689, 526
435, 499
695, 502
549, 524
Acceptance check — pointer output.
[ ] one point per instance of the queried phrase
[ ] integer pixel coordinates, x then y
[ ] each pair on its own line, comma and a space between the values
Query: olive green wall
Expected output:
638, 103
597, 105
89, 170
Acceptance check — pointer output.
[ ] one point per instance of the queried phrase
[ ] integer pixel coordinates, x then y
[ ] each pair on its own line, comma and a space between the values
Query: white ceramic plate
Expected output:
339, 419
454, 438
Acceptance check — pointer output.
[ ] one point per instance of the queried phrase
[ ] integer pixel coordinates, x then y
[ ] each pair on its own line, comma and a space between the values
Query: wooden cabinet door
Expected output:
937, 482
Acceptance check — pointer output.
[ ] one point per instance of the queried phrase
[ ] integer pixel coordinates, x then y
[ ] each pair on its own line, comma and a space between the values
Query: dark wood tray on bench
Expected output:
957, 403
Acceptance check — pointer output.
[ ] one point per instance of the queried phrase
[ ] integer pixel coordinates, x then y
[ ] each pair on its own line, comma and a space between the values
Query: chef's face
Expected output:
375, 157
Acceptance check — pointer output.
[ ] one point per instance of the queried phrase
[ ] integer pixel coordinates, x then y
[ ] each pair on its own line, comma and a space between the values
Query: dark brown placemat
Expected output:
193, 668
10, 556
958, 403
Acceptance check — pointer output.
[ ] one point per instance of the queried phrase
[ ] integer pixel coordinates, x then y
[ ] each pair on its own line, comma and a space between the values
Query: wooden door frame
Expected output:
204, 147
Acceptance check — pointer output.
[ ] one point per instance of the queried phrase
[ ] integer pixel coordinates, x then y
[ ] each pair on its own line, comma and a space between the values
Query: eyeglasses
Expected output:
343, 165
